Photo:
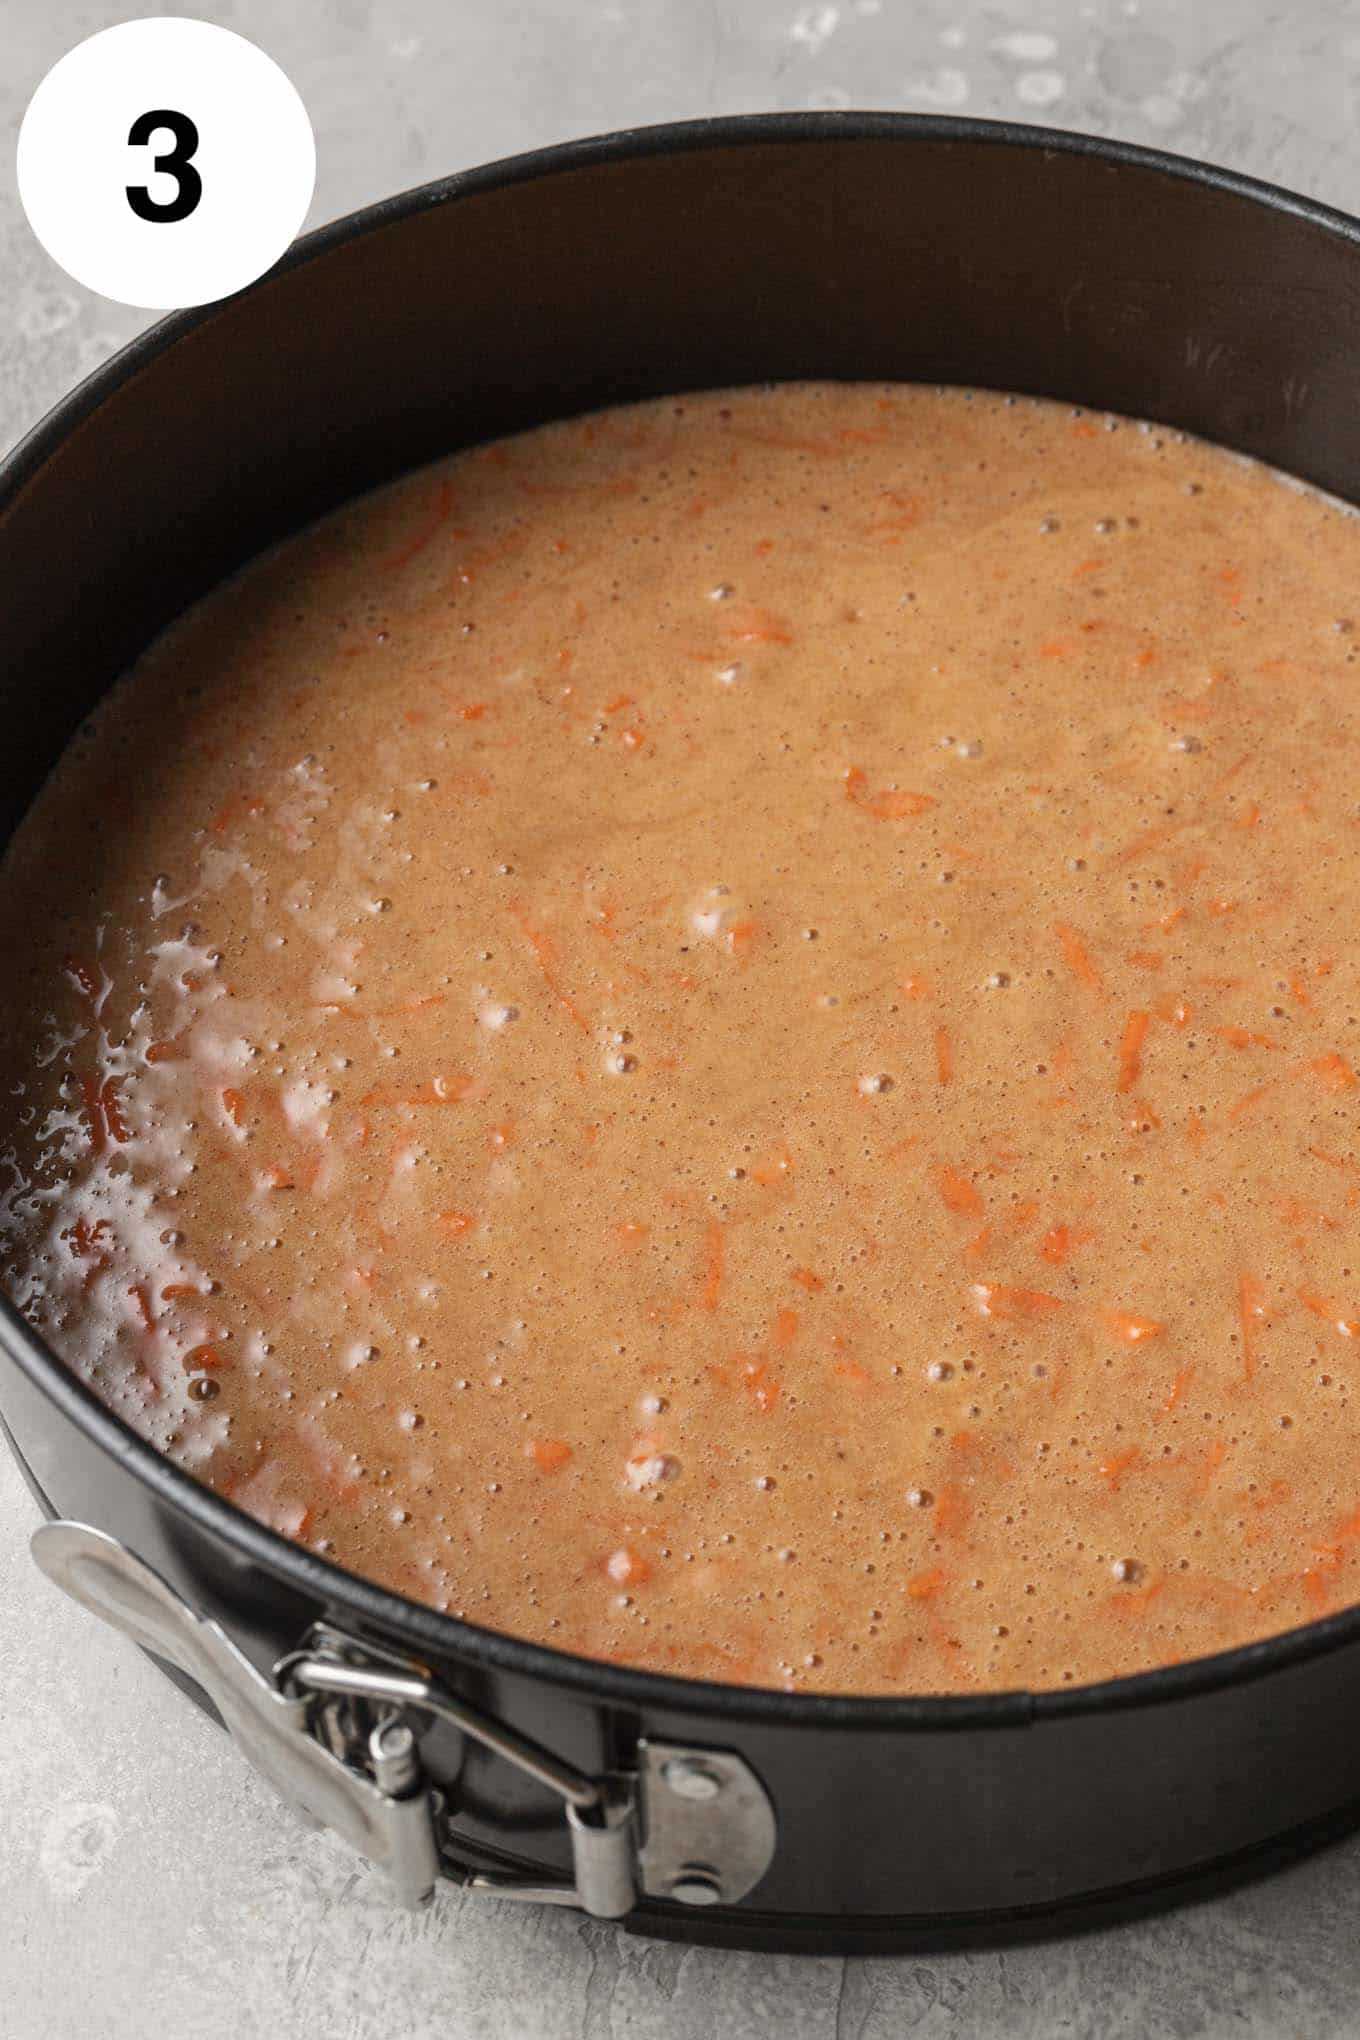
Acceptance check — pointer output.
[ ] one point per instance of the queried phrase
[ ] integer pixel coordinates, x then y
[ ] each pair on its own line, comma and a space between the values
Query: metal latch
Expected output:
336, 1734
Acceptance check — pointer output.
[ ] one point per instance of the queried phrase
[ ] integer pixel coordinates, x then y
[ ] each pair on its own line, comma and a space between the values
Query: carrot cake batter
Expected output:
725, 1036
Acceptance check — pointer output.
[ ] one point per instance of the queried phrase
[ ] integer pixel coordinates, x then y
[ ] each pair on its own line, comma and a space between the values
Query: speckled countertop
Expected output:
147, 1880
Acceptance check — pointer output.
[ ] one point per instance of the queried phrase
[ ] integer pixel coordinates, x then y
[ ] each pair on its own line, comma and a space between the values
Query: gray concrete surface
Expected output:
147, 1882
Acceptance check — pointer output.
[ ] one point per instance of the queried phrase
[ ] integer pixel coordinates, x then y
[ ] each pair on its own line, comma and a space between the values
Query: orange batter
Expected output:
725, 1035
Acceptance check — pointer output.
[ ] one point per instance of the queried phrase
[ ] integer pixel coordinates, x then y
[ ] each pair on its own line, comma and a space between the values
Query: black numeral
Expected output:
176, 163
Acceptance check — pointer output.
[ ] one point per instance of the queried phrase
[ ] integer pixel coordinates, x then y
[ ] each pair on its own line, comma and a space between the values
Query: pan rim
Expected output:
316, 1578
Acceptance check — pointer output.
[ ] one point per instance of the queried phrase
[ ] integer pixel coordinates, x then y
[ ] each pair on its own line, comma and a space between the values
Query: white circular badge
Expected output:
166, 163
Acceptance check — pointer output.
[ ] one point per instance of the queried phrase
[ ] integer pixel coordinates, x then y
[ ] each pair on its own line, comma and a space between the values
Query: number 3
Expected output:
176, 164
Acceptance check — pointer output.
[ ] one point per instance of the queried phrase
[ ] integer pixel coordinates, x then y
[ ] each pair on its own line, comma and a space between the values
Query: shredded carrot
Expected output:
951, 1511
715, 1241
438, 515
1243, 1037
1131, 1049
773, 1167
896, 806
1333, 1072
944, 1056
1060, 1241
1251, 1313
447, 1088
207, 1358
1077, 957
805, 1279
785, 1327
890, 805
1131, 1331
958, 1194
454, 1224
1332, 1161
1178, 1388
549, 1455
137, 1292
1249, 1101
997, 1300
1333, 1550
1151, 839
759, 627
1141, 1117
627, 1568
1125, 1604
1349, 1328
924, 1586
761, 1386
1113, 1467
1316, 1588
545, 956
1210, 1461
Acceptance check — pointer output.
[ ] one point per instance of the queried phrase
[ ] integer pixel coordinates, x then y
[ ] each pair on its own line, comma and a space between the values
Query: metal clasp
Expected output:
599, 1811
336, 1732
270, 1725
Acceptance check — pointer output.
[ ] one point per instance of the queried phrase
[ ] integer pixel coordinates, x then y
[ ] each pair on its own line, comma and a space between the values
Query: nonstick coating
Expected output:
829, 245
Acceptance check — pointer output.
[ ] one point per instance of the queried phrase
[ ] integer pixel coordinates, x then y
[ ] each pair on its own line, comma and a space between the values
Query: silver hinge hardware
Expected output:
336, 1731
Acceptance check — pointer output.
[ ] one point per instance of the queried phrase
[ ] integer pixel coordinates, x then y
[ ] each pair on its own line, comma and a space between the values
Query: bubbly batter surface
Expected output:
725, 1036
